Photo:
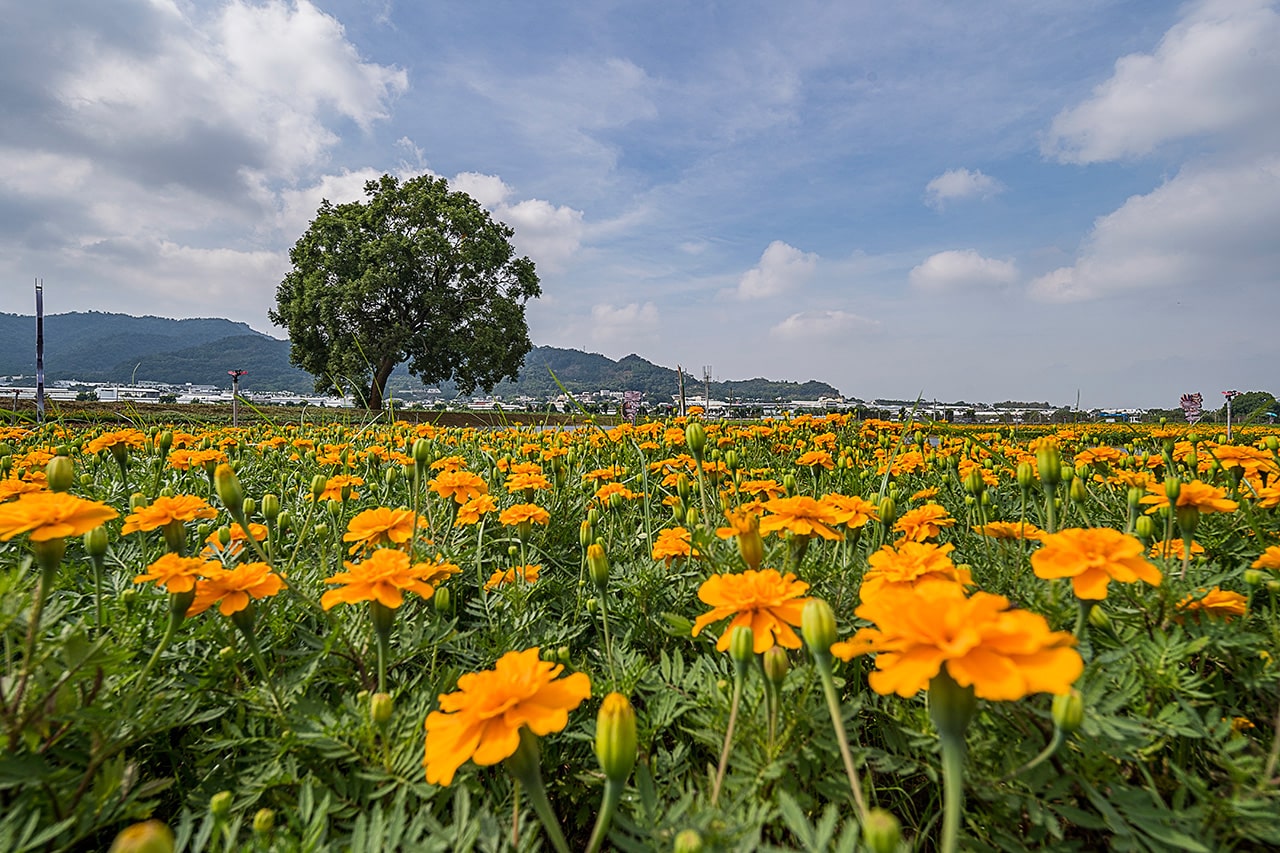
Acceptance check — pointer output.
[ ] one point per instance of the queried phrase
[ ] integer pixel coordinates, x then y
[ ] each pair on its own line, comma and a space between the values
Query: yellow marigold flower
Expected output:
769, 488
184, 460
1269, 559
672, 543
528, 574
1173, 548
1009, 530
923, 522
601, 475
165, 509
471, 511
911, 564
481, 721
11, 487
768, 603
1092, 558
383, 577
924, 494
449, 464
177, 574
1193, 493
437, 572
1003, 654
462, 486
124, 438
379, 526
850, 511
816, 459
1215, 602
334, 485
1267, 497
801, 515
1252, 461
231, 589
608, 490
48, 515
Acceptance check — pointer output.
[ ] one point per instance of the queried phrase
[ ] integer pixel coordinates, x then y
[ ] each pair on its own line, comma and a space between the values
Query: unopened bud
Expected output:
687, 841
1068, 710
616, 737
137, 501
230, 492
881, 832
598, 565
776, 664
250, 506
150, 836
220, 805
381, 707
95, 542
818, 626
1172, 489
59, 473
270, 507
318, 484
264, 821
442, 600
1049, 463
742, 644
586, 534
1145, 527
695, 436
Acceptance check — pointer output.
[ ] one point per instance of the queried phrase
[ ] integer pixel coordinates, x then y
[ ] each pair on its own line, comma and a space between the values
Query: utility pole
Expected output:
235, 395
39, 350
1230, 395
706, 389
680, 380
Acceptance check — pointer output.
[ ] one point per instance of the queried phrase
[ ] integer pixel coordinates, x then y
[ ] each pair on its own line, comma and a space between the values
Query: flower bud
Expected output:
790, 485
250, 506
220, 805
751, 546
776, 664
270, 507
1172, 488
1271, 443
586, 534
742, 644
1253, 577
691, 517
1098, 618
264, 821
695, 436
318, 484
1049, 463
137, 501
683, 488
1068, 710
230, 492
687, 841
95, 542
881, 832
59, 473
442, 600
732, 462
1145, 527
1078, 493
616, 737
973, 482
818, 626
598, 565
888, 511
150, 836
381, 707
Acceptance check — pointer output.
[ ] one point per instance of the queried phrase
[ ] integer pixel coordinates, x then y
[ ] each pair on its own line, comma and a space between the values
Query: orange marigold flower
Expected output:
520, 513
1267, 497
163, 510
672, 543
184, 460
215, 550
850, 510
801, 515
608, 490
449, 464
462, 486
911, 564
925, 494
923, 522
124, 438
521, 481
481, 721
11, 487
1173, 548
768, 603
528, 574
51, 515
1003, 654
768, 488
383, 577
1009, 530
816, 459
334, 485
471, 511
1215, 602
379, 526
1192, 493
177, 574
231, 589
743, 519
1092, 558
1269, 559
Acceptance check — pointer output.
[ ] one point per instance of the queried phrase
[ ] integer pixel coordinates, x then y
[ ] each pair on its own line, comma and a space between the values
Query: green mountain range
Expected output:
100, 347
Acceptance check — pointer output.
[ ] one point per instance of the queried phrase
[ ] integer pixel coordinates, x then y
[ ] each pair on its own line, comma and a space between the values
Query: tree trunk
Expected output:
380, 376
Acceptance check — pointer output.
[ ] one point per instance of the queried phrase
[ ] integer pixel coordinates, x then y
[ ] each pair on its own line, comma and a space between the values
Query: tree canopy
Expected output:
414, 273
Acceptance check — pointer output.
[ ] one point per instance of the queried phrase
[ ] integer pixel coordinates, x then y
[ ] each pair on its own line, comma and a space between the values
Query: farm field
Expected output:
813, 633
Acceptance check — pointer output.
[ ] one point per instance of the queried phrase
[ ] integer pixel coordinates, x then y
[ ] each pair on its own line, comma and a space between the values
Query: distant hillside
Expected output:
102, 347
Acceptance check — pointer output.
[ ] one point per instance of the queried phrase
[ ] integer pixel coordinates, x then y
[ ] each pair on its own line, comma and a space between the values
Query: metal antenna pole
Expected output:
39, 351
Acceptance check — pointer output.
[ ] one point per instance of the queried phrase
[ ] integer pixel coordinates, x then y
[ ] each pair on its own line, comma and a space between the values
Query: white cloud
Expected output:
958, 184
782, 267
1216, 72
814, 325
612, 325
1207, 226
961, 269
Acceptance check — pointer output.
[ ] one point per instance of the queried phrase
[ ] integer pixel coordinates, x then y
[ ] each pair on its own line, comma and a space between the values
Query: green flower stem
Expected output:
1059, 738
49, 556
1082, 619
608, 643
613, 789
823, 664
524, 767
728, 734
237, 513
179, 602
98, 565
383, 618
244, 621
1051, 508
953, 791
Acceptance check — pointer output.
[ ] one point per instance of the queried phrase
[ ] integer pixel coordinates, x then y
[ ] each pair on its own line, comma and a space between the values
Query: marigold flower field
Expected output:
812, 633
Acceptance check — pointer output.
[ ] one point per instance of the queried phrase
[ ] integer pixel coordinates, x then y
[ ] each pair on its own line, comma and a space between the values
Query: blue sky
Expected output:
965, 200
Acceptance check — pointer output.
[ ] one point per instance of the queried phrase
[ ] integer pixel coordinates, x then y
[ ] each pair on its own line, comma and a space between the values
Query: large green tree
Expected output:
414, 273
